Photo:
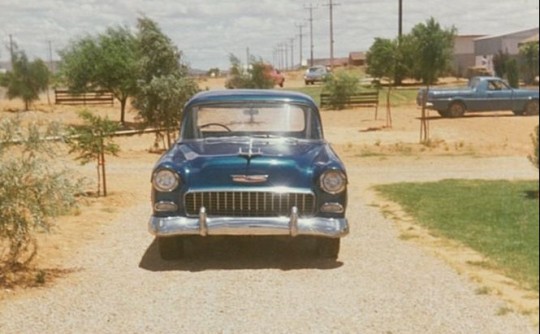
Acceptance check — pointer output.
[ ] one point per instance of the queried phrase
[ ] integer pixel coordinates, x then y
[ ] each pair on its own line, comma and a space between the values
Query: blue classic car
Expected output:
482, 94
249, 162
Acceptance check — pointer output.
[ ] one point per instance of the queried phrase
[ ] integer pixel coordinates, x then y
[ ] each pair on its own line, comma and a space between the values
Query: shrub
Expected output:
32, 189
340, 87
512, 72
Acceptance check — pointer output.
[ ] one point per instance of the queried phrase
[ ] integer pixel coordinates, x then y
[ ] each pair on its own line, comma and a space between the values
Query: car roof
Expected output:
246, 95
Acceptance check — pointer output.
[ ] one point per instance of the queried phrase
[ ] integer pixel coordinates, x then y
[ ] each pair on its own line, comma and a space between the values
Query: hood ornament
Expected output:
249, 178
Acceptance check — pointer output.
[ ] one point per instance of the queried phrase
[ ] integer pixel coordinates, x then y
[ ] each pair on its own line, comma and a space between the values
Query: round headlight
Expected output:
165, 180
333, 181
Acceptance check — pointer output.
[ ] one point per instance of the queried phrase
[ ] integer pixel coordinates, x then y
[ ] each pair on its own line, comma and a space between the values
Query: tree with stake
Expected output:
382, 59
433, 54
92, 141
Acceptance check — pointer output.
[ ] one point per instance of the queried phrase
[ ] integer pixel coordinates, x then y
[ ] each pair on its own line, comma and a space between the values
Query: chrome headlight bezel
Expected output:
165, 180
333, 181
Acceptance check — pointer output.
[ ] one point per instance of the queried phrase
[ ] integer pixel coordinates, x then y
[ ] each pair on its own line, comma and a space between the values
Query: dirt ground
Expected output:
373, 153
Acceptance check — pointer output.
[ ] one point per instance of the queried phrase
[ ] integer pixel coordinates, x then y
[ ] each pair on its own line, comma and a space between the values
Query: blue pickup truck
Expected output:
482, 94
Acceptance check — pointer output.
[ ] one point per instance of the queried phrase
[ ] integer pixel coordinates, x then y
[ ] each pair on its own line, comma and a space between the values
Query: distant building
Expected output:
491, 45
488, 46
357, 58
464, 54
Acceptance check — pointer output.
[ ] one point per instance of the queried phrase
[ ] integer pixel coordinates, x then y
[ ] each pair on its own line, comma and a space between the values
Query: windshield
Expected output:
250, 119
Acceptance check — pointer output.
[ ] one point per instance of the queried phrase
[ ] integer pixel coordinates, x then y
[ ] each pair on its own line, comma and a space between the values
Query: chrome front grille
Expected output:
249, 203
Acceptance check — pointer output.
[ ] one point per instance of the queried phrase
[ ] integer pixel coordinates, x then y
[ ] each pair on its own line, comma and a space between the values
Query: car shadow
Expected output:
437, 117
239, 253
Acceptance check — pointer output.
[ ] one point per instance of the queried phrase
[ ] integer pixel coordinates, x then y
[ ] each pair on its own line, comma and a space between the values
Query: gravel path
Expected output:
380, 284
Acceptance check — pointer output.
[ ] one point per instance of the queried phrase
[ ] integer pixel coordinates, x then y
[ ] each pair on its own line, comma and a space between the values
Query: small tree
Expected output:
27, 79
340, 86
529, 55
500, 60
92, 141
512, 72
382, 60
32, 190
434, 49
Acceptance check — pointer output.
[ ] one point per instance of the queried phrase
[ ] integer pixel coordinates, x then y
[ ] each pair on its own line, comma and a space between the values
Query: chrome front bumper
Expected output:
204, 225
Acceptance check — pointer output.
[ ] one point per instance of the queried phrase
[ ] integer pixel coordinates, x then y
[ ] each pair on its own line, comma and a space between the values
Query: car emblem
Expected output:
249, 178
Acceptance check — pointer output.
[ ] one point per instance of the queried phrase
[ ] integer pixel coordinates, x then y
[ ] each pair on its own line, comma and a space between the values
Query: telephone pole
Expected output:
300, 26
310, 8
400, 26
292, 53
330, 6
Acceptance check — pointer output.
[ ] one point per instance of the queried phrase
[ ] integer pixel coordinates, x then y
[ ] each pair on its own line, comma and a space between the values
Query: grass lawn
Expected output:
496, 218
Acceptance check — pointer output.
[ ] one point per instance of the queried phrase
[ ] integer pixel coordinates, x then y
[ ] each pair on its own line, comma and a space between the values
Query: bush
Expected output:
534, 157
256, 77
512, 73
340, 87
31, 191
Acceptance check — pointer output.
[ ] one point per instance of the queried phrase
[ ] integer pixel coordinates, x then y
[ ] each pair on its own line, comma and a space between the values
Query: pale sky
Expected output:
207, 31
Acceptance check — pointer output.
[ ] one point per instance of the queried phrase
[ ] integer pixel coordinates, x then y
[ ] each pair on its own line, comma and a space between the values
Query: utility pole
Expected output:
292, 53
331, 5
300, 26
400, 26
310, 8
11, 50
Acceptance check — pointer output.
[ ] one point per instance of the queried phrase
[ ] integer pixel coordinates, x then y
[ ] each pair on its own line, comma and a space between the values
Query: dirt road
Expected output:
380, 283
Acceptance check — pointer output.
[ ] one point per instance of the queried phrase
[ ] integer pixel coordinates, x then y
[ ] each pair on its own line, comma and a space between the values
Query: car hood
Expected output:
241, 162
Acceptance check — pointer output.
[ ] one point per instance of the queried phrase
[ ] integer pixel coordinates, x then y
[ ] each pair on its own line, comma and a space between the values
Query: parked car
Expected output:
249, 162
315, 74
484, 93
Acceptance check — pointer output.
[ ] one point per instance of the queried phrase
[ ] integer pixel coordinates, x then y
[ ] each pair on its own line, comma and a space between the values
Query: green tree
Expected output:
528, 52
92, 141
433, 50
382, 60
163, 82
500, 60
32, 190
27, 79
512, 74
433, 58
106, 61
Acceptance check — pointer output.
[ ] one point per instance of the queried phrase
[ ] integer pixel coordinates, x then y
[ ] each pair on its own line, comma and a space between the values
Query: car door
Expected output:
499, 95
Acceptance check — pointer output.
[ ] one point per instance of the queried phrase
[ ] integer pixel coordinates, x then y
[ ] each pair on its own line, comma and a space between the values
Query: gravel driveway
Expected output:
380, 283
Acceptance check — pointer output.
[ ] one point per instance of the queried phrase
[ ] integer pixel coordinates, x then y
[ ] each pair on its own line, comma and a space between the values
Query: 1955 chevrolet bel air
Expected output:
249, 162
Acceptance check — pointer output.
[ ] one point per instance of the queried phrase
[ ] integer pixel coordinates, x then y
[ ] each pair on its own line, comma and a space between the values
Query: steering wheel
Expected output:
215, 124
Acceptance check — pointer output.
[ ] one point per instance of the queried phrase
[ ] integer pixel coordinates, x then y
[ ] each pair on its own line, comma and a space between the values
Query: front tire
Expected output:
456, 109
328, 248
171, 248
531, 108
443, 113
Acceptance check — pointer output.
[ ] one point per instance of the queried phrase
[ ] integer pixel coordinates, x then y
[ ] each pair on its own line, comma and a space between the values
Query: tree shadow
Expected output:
532, 194
239, 253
